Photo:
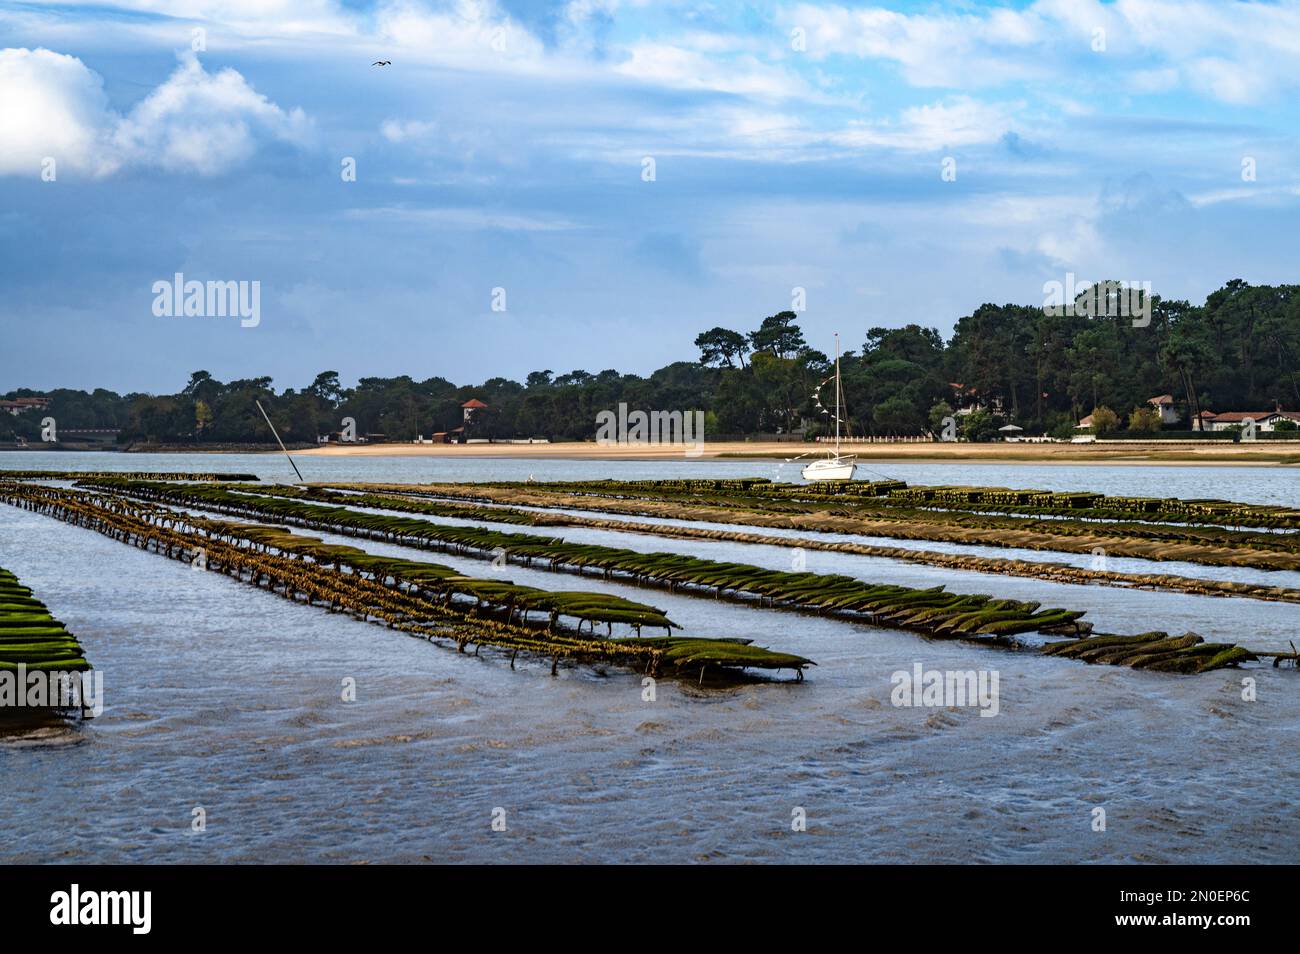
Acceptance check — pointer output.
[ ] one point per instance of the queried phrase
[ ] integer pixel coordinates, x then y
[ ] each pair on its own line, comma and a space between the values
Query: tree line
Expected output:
1040, 368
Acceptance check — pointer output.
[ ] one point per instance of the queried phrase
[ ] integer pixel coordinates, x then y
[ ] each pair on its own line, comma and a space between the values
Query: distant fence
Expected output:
825, 439
1196, 437
881, 439
757, 438
1186, 437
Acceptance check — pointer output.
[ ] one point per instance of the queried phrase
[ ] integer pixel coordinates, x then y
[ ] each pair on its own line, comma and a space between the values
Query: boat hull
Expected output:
829, 470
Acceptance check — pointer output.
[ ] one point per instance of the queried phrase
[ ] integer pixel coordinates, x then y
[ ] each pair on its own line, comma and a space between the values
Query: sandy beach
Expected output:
1259, 453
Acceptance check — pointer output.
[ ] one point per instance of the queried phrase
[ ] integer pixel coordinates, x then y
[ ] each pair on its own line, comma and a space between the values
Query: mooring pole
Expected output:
278, 441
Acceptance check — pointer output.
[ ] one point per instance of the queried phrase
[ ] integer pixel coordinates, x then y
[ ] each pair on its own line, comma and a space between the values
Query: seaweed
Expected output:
420, 598
31, 639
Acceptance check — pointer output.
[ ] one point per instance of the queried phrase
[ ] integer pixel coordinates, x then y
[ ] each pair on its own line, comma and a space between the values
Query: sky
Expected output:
589, 184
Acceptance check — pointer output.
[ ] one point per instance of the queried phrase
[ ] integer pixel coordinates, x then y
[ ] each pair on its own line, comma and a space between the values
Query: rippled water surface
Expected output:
224, 697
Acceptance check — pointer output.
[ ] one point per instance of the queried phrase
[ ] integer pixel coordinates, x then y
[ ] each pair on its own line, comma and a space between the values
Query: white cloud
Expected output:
959, 121
403, 130
932, 50
1234, 52
1230, 82
264, 17
203, 122
52, 104
1252, 193
469, 34
665, 64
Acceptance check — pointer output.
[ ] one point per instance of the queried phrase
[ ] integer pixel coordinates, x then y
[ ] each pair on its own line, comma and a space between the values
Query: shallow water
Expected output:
1263, 625
227, 697
1275, 485
1087, 560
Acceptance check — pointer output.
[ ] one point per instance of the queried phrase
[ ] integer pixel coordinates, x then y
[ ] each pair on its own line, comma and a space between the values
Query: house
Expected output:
1271, 422
1164, 403
1084, 423
963, 399
967, 401
21, 405
454, 436
472, 407
1228, 420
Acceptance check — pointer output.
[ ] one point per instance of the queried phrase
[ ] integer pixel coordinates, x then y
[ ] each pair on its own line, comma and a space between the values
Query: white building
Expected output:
1264, 420
1164, 403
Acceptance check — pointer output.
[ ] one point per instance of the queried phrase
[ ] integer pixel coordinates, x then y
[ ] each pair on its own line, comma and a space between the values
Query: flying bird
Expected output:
382, 63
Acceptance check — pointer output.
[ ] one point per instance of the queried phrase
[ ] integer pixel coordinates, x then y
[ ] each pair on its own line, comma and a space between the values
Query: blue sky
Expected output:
794, 145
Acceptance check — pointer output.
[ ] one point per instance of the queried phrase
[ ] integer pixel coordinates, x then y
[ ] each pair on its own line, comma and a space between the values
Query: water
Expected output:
1271, 485
224, 697
1290, 578
1264, 625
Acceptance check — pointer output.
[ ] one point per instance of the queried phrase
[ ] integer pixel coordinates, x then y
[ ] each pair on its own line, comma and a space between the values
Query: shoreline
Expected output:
1136, 454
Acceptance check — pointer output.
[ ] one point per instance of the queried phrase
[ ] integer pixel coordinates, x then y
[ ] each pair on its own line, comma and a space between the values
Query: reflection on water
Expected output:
229, 698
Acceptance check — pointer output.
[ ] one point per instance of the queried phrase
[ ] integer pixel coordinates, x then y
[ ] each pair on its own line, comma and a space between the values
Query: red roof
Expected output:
1253, 415
1162, 399
473, 402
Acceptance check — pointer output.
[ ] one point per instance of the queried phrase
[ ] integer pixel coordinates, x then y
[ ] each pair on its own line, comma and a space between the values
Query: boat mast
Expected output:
837, 394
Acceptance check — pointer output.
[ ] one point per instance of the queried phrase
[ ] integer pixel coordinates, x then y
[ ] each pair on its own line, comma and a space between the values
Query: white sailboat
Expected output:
833, 466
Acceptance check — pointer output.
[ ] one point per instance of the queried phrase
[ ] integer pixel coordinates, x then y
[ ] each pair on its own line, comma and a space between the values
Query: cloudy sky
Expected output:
510, 145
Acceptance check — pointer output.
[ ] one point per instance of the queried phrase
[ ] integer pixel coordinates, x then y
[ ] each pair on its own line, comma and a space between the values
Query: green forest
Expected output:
1239, 350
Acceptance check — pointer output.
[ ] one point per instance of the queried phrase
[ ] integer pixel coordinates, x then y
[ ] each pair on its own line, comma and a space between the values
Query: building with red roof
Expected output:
472, 407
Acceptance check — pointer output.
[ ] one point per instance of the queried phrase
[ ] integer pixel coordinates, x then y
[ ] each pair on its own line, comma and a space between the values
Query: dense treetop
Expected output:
1239, 350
